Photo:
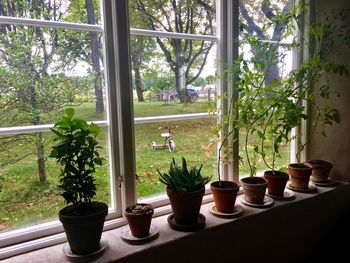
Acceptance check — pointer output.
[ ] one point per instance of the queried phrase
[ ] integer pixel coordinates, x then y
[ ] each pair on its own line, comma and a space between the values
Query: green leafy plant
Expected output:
76, 152
265, 113
181, 179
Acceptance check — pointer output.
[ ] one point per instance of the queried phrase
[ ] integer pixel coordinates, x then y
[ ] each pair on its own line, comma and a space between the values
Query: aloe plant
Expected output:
181, 179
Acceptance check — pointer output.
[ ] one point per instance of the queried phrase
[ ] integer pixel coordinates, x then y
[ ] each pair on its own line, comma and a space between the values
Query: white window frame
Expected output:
120, 121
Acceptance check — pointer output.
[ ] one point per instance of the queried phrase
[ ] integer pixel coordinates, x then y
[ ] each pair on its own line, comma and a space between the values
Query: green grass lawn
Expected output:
25, 201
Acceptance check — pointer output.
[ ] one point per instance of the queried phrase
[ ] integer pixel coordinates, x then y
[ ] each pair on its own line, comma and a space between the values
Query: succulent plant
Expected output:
181, 179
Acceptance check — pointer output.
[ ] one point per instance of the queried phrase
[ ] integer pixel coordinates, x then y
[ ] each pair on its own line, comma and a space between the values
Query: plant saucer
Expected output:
187, 228
86, 258
126, 235
326, 183
237, 210
268, 201
311, 189
287, 195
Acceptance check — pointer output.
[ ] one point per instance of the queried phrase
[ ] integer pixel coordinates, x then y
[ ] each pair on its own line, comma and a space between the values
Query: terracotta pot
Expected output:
224, 193
254, 189
139, 223
299, 175
320, 170
84, 231
186, 206
276, 182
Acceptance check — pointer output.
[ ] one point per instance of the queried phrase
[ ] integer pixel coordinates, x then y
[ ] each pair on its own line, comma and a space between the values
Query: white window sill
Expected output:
312, 210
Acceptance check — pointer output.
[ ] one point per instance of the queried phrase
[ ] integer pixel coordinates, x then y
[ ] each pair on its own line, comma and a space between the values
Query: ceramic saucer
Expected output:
187, 228
126, 235
86, 258
237, 210
287, 195
311, 189
326, 183
268, 201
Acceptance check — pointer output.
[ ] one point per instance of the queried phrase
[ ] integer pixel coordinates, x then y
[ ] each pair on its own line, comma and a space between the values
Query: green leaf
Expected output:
70, 112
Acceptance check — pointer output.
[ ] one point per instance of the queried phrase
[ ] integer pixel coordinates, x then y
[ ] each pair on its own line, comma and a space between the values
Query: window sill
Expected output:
316, 215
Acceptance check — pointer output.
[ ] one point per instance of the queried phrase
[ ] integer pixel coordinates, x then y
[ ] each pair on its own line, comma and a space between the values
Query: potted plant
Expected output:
185, 189
139, 217
320, 171
76, 151
265, 112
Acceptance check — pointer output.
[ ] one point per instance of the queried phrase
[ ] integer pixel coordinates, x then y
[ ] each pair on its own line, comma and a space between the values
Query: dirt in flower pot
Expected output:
139, 217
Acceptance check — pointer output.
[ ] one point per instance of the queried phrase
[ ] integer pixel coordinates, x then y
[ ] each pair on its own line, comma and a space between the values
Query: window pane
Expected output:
260, 18
169, 80
43, 70
266, 45
53, 10
29, 197
192, 140
180, 16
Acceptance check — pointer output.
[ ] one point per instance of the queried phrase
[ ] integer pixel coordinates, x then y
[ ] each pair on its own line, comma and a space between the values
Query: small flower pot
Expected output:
254, 189
299, 175
139, 217
276, 182
320, 170
224, 193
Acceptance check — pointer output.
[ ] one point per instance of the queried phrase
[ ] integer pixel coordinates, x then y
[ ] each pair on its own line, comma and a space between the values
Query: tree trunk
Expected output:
39, 138
95, 58
41, 157
138, 83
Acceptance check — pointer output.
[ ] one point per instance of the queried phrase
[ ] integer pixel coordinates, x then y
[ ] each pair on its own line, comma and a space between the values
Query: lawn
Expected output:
25, 201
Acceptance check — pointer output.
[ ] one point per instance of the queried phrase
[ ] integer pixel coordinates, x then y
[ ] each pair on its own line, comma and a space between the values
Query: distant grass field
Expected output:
25, 201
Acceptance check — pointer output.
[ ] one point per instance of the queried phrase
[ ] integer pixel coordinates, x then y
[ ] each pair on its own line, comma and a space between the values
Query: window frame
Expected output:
120, 118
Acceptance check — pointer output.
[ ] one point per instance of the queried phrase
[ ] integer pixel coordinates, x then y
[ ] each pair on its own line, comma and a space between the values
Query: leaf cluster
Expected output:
76, 151
181, 179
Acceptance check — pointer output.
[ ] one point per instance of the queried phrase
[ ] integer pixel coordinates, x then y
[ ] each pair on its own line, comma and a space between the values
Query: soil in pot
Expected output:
320, 170
276, 182
224, 193
254, 189
139, 218
186, 205
299, 175
84, 231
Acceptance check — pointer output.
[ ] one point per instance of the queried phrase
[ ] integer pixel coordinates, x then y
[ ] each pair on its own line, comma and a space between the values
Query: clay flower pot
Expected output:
224, 193
320, 170
254, 189
139, 217
276, 182
186, 205
299, 175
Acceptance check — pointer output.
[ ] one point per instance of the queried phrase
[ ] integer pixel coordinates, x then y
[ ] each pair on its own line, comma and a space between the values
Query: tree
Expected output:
185, 57
32, 76
260, 19
80, 46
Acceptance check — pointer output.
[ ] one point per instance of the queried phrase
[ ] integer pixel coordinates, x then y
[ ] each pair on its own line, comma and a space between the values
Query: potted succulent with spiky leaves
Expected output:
76, 151
185, 189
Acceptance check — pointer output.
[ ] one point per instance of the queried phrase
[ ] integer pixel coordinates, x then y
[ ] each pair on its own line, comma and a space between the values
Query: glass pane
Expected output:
263, 19
45, 70
192, 140
54, 10
170, 82
29, 197
180, 16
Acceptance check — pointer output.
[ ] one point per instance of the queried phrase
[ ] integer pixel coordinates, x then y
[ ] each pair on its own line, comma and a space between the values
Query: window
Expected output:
56, 54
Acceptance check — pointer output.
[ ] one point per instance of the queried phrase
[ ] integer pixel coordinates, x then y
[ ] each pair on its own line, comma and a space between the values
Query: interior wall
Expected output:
336, 146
